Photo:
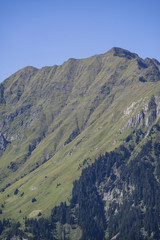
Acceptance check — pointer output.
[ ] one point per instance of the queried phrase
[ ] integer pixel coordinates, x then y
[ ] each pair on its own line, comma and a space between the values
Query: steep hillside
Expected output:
117, 197
56, 120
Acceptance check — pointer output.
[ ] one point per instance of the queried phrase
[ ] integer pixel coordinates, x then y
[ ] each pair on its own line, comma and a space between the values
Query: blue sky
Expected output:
48, 32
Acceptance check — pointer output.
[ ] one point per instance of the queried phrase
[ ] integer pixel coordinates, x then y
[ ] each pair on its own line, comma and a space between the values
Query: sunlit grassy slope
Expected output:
57, 120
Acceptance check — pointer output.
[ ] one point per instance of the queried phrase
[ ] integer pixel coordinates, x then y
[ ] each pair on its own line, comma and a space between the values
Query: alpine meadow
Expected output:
80, 150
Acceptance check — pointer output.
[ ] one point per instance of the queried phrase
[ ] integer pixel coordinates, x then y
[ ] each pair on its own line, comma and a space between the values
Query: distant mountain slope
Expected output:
54, 121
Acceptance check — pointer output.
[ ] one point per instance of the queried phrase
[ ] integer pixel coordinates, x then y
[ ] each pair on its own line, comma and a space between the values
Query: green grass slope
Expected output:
54, 121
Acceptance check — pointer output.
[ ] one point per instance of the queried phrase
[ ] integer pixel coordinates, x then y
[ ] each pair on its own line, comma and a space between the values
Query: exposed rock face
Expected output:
117, 195
123, 53
136, 120
146, 117
3, 143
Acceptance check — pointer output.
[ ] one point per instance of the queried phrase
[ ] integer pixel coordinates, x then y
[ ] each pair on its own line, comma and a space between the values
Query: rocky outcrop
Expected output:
3, 143
135, 121
19, 111
152, 111
123, 53
146, 117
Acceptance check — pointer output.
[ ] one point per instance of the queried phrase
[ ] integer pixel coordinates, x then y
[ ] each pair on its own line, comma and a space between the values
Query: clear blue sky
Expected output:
47, 32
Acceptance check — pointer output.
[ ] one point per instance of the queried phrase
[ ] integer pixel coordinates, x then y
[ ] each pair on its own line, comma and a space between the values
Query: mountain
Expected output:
54, 123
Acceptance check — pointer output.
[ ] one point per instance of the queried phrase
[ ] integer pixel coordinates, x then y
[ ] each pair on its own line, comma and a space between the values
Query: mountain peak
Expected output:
54, 121
120, 52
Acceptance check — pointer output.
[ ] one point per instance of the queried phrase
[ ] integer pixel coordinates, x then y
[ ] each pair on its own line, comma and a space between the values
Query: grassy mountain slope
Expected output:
117, 197
54, 121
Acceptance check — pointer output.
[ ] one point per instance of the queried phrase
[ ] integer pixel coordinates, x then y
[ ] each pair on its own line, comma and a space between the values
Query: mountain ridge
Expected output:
115, 51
